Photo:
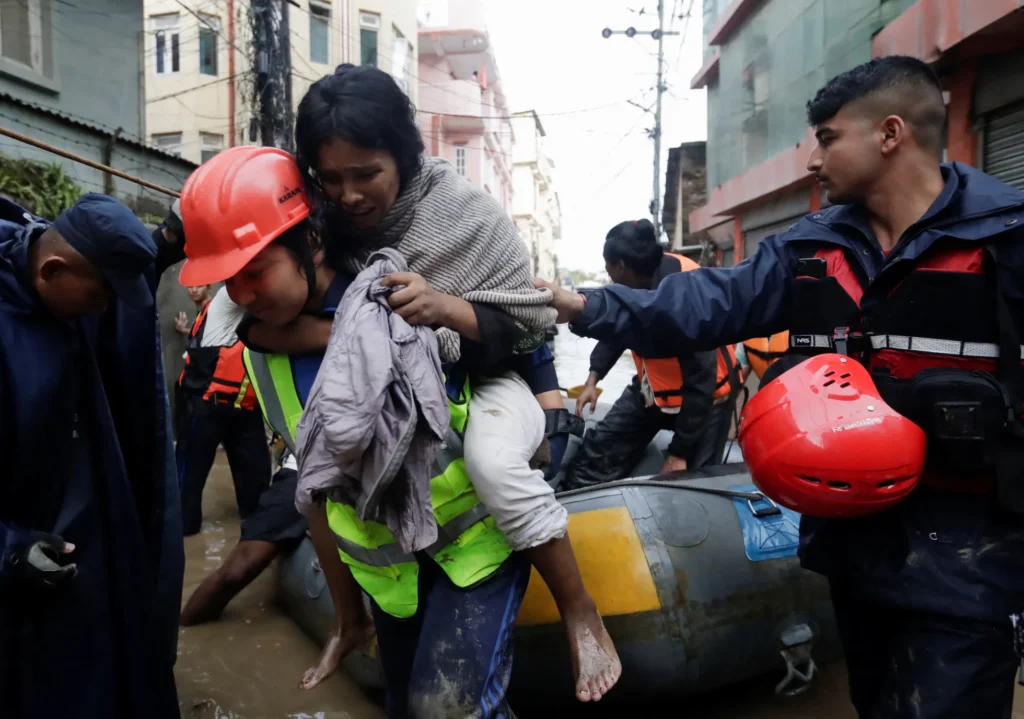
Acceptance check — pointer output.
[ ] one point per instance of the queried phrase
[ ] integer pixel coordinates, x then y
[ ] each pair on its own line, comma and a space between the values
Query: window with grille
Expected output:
401, 59
319, 33
167, 32
209, 29
169, 142
369, 32
460, 160
209, 145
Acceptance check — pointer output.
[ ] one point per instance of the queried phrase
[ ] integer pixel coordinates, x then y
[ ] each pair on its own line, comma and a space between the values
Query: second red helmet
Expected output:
819, 440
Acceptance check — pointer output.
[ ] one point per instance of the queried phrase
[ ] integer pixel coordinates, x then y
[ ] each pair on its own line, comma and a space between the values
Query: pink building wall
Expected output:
456, 113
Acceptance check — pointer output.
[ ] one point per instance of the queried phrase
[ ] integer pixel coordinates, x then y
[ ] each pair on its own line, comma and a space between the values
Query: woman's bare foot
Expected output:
339, 644
595, 663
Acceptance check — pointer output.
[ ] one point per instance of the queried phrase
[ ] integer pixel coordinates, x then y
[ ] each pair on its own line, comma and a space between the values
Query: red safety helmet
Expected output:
820, 441
233, 206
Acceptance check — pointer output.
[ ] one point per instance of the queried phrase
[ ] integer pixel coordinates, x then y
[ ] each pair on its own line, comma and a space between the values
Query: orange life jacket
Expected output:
665, 376
217, 374
763, 352
728, 380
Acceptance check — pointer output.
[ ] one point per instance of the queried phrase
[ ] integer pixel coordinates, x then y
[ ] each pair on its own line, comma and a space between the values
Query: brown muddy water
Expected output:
248, 664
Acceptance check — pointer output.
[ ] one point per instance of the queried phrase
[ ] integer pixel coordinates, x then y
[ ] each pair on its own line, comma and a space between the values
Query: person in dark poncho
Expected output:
91, 555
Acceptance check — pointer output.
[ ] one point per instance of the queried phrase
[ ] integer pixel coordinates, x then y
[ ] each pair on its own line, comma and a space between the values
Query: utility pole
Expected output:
659, 35
272, 59
284, 45
657, 122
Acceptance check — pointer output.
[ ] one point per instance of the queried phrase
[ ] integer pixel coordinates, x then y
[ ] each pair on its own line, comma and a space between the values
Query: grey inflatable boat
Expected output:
697, 580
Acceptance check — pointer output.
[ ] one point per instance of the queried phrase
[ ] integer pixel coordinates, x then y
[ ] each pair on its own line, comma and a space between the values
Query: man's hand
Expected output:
36, 562
569, 304
181, 324
673, 464
417, 302
587, 396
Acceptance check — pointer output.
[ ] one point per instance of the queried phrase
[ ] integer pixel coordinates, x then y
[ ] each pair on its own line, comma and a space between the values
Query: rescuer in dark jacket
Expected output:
91, 556
918, 270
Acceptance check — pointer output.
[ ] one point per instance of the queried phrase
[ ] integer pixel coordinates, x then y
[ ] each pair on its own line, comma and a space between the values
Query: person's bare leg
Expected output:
595, 663
244, 563
353, 627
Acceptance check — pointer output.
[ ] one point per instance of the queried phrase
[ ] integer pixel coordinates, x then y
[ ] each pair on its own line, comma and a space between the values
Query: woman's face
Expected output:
363, 181
271, 287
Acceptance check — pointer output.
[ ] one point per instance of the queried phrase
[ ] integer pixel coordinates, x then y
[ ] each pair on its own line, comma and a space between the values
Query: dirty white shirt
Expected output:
222, 319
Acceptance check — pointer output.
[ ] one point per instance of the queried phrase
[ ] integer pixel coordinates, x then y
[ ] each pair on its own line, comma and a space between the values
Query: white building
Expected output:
535, 205
199, 78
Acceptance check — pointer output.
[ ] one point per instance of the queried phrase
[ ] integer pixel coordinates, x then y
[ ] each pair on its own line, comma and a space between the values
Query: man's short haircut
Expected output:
893, 85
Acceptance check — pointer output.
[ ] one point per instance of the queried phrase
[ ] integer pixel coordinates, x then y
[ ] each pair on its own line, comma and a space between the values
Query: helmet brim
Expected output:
220, 268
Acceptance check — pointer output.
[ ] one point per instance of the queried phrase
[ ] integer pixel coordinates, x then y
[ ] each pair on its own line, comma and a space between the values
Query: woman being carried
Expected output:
361, 157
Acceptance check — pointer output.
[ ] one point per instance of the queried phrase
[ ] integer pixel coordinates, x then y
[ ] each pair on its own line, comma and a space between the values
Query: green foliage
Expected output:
43, 189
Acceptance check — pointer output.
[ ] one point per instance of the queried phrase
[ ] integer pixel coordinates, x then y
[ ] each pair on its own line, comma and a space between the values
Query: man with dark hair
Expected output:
917, 271
682, 394
91, 556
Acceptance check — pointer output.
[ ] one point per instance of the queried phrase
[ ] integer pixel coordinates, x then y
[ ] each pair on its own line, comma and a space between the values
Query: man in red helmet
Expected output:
918, 270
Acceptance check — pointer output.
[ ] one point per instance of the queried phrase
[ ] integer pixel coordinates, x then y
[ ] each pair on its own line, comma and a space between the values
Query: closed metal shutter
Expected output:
751, 238
1004, 145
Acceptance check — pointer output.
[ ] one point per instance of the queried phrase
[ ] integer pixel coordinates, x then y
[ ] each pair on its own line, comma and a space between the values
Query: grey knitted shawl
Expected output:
460, 240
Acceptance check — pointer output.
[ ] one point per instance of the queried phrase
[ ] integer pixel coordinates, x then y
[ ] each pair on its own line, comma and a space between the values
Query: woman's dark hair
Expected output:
364, 106
634, 244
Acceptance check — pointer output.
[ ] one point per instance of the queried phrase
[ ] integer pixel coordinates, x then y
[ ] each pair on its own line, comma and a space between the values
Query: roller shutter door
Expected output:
1004, 144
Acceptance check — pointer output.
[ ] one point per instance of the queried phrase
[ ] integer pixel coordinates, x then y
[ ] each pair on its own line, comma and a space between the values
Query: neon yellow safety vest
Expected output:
469, 547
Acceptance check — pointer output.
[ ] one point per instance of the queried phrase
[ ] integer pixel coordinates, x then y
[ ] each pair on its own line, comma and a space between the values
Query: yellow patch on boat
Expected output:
613, 565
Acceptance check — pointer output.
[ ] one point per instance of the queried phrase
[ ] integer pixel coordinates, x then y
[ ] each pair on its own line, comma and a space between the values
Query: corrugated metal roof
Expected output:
95, 127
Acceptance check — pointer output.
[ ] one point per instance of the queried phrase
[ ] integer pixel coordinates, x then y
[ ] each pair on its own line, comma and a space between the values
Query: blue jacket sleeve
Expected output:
604, 357
697, 310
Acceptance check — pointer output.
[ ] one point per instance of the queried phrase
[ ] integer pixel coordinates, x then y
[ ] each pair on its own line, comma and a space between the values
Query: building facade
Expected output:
535, 206
199, 77
71, 76
763, 59
463, 112
685, 191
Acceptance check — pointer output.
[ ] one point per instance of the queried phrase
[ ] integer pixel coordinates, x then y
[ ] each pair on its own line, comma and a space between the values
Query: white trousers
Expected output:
504, 430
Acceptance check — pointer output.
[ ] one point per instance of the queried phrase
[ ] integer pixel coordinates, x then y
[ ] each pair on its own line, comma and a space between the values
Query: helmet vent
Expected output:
829, 383
810, 480
886, 483
844, 376
839, 485
830, 373
844, 385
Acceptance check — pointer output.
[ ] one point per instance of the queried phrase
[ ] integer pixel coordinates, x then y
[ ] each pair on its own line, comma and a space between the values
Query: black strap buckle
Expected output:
845, 341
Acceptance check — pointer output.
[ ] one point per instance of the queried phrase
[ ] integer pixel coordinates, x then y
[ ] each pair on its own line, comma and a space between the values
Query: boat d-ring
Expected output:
797, 642
765, 511
315, 581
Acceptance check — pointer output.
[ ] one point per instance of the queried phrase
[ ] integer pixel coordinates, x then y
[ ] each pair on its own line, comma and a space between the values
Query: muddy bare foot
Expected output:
338, 646
595, 663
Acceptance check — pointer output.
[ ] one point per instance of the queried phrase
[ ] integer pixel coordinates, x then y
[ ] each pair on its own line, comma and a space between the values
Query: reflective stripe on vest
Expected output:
469, 547
267, 373
930, 345
389, 554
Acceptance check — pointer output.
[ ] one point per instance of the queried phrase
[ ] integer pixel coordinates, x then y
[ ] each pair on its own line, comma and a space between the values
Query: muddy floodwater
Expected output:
247, 665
